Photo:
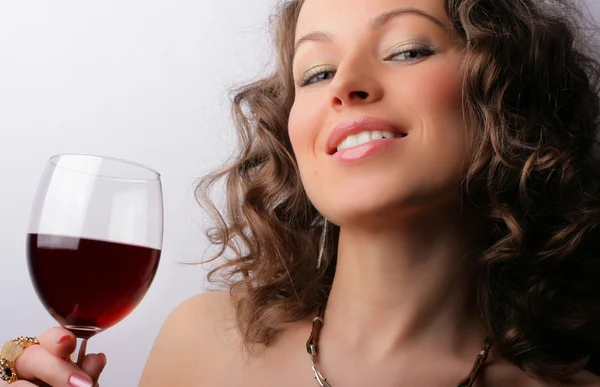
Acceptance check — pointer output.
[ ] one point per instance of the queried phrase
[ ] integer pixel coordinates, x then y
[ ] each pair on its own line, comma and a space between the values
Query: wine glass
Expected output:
94, 241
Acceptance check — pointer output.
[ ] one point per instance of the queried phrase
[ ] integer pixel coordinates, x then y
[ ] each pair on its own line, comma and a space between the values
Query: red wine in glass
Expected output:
89, 285
94, 241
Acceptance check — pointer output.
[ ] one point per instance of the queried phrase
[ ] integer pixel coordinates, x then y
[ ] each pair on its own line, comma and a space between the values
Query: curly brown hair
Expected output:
531, 100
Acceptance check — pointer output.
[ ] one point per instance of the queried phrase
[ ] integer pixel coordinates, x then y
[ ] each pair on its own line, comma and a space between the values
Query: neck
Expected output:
397, 287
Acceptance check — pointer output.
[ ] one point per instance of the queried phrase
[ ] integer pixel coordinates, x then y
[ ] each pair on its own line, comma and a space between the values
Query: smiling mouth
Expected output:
361, 138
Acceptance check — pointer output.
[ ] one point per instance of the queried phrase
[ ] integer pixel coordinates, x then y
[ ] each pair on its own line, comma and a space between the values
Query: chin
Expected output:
356, 211
380, 209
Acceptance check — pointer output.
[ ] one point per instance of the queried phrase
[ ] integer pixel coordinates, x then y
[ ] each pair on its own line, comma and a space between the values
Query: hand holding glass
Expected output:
94, 241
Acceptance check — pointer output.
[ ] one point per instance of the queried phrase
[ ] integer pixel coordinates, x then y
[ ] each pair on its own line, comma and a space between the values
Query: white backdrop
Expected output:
145, 80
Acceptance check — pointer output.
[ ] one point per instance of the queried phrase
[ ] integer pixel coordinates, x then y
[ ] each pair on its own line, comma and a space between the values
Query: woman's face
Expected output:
377, 124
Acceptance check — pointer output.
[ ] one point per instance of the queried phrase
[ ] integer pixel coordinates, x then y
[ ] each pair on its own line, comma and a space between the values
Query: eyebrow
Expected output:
380, 20
376, 23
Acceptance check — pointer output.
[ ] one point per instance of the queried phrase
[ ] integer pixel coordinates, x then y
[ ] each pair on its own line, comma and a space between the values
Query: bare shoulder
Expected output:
585, 379
502, 373
195, 339
582, 379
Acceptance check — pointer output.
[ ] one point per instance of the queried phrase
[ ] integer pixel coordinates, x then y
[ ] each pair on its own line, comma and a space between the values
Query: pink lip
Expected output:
358, 125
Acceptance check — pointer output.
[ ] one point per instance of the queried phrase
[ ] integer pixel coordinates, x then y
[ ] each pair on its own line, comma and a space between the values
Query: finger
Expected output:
36, 363
58, 341
93, 364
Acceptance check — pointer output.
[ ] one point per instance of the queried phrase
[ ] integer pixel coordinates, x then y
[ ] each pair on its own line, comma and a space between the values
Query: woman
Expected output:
416, 203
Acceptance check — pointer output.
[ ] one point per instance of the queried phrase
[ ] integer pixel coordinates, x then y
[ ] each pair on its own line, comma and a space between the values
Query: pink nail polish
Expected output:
63, 339
78, 381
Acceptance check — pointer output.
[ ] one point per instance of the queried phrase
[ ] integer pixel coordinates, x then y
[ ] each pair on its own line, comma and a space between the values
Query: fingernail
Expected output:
63, 339
79, 381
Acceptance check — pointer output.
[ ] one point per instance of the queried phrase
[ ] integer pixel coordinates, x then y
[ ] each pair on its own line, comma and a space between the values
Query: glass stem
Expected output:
79, 353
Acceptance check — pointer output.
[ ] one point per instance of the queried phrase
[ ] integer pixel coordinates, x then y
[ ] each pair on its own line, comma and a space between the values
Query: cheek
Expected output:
294, 128
303, 127
300, 136
441, 92
437, 100
304, 123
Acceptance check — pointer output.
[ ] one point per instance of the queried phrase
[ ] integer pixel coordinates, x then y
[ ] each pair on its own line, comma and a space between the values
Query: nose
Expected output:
356, 82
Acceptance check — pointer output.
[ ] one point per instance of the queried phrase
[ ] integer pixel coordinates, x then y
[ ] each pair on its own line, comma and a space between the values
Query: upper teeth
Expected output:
363, 137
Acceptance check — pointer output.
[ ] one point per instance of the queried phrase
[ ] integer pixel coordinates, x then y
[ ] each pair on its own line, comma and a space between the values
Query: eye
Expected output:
316, 75
411, 54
